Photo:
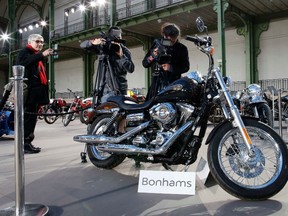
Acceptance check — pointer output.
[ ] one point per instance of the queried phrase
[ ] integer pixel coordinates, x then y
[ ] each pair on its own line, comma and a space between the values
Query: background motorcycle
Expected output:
54, 109
77, 107
247, 158
83, 114
251, 102
284, 102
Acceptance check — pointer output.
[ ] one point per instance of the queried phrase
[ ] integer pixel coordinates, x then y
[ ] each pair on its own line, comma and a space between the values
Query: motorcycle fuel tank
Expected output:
184, 90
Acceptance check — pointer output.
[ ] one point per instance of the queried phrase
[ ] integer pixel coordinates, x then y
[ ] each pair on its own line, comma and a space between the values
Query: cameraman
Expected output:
171, 70
119, 58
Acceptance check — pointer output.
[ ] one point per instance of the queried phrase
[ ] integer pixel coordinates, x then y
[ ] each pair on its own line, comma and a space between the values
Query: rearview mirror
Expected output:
200, 24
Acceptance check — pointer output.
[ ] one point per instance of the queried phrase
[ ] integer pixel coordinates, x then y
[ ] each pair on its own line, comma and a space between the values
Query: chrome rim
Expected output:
257, 170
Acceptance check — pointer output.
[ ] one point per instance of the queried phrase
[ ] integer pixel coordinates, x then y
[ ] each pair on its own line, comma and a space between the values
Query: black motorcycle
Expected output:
247, 158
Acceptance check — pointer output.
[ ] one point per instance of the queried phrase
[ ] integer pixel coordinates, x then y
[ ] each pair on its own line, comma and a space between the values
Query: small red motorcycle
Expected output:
54, 109
79, 107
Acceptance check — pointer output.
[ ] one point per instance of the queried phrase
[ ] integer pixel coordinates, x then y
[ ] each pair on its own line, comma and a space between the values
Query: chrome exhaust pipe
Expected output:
98, 139
131, 149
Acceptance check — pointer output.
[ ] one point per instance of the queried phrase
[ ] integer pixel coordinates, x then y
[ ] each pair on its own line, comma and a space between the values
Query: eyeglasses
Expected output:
39, 41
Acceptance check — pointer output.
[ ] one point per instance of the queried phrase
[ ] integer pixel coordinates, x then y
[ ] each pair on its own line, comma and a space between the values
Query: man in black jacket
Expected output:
31, 58
119, 58
168, 71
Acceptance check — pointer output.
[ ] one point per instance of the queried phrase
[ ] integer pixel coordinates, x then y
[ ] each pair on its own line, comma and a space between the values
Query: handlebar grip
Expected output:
191, 38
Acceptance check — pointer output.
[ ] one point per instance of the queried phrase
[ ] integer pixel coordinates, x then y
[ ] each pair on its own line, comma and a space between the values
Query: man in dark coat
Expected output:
31, 58
119, 58
169, 71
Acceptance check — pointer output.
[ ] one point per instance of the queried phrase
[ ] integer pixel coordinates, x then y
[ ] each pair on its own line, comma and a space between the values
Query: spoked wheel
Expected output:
41, 111
67, 118
255, 175
83, 116
98, 158
51, 116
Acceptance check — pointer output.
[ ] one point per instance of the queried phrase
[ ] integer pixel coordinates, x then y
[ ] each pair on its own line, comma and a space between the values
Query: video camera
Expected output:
112, 41
162, 45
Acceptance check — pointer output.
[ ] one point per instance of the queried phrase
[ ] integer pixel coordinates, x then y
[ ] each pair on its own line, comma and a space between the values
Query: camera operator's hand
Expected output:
47, 52
98, 41
120, 51
166, 67
154, 54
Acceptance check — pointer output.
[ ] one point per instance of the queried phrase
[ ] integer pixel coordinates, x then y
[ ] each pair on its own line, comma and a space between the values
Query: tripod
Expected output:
102, 79
159, 82
105, 77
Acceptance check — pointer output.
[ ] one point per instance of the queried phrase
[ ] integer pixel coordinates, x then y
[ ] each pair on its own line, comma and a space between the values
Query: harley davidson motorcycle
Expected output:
247, 158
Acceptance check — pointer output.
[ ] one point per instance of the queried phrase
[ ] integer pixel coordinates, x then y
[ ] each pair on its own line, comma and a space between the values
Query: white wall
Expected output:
69, 74
273, 59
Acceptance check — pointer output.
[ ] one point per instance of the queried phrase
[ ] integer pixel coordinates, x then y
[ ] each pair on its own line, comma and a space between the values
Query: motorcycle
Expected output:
78, 106
284, 103
250, 102
247, 158
6, 113
54, 109
83, 114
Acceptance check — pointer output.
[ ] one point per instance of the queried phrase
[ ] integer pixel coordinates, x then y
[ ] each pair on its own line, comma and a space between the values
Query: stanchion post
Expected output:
18, 72
20, 209
280, 112
273, 109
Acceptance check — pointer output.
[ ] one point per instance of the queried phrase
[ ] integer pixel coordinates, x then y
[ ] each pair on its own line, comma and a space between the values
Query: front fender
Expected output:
218, 128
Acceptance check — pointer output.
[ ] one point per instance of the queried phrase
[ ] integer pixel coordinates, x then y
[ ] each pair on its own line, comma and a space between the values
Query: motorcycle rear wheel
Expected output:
50, 118
103, 159
251, 177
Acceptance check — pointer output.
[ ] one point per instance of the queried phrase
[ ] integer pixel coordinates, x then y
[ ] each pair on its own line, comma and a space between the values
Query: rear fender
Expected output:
103, 108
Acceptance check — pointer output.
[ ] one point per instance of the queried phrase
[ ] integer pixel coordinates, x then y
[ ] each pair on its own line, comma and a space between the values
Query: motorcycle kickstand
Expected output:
83, 155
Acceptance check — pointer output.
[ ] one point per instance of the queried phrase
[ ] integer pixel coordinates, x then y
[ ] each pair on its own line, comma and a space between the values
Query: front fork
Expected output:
234, 110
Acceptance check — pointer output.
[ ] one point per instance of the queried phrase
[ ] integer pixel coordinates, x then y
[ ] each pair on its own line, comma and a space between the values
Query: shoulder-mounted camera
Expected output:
113, 41
162, 45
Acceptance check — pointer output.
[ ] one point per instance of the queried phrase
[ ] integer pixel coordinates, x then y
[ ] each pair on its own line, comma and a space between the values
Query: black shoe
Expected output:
33, 147
29, 150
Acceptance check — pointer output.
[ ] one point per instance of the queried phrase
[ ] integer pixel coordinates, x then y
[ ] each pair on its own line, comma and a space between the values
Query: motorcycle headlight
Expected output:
254, 90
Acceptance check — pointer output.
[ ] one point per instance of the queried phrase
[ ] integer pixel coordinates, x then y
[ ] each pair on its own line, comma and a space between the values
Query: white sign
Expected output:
166, 182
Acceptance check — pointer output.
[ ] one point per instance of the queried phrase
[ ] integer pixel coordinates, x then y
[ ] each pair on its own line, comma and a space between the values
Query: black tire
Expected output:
50, 118
67, 118
255, 177
101, 159
41, 111
83, 117
265, 114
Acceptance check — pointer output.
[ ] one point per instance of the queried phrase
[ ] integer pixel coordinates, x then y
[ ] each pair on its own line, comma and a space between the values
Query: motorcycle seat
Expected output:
129, 104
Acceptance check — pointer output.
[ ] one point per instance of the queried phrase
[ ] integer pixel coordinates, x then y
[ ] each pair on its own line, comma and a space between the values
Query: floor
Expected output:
56, 178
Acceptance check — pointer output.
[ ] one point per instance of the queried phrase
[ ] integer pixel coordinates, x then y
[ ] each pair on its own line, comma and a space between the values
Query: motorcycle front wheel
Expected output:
68, 117
103, 159
265, 114
257, 175
83, 117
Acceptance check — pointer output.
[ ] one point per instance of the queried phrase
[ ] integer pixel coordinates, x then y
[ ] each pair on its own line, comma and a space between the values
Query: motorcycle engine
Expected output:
164, 113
